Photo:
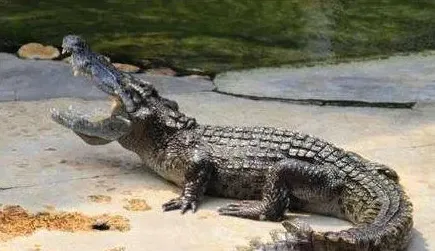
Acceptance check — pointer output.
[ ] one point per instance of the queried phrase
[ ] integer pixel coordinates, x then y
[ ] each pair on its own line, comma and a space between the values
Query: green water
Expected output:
218, 35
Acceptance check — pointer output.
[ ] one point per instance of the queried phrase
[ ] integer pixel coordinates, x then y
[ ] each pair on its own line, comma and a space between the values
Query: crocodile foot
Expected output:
256, 210
183, 203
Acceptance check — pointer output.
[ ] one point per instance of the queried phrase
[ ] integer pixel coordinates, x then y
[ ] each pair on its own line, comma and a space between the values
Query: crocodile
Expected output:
269, 170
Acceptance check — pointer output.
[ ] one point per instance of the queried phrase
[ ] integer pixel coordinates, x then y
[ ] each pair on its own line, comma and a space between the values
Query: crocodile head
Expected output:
73, 43
135, 101
88, 63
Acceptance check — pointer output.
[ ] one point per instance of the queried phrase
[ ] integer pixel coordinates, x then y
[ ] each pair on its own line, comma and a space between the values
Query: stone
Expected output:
195, 71
127, 67
38, 51
399, 79
194, 76
161, 71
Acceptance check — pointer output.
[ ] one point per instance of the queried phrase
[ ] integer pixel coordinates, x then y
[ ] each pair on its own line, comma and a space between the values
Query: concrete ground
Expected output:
45, 165
396, 80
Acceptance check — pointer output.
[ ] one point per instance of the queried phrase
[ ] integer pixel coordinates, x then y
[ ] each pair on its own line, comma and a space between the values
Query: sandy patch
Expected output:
137, 205
16, 221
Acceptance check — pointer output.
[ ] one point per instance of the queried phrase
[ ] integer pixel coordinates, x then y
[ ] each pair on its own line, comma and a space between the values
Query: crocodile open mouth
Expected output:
91, 126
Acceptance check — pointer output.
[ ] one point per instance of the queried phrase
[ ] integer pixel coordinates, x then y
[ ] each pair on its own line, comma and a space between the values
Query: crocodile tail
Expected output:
380, 235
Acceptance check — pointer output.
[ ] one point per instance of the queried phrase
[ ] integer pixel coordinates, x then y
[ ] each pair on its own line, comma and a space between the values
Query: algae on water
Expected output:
219, 35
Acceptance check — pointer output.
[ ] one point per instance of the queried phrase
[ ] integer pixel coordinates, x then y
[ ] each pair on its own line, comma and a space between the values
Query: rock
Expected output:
397, 80
161, 71
194, 76
195, 71
127, 67
38, 51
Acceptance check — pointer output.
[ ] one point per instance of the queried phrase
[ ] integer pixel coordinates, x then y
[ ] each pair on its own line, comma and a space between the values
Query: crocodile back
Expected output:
273, 143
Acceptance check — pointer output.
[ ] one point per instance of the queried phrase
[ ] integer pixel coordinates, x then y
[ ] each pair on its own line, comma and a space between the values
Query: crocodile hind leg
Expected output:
290, 185
276, 195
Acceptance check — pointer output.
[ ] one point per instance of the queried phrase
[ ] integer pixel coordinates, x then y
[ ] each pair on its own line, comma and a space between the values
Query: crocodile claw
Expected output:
256, 210
243, 209
181, 203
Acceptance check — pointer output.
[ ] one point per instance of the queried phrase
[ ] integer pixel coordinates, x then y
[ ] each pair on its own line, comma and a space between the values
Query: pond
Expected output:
217, 35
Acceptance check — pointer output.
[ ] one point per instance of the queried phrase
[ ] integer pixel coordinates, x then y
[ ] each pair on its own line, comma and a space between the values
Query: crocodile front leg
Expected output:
196, 178
94, 133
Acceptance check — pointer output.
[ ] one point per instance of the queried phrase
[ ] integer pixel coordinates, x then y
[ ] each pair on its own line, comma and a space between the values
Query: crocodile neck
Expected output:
158, 141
